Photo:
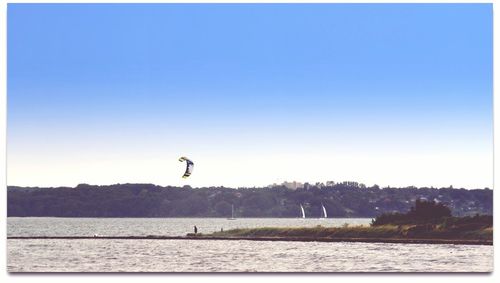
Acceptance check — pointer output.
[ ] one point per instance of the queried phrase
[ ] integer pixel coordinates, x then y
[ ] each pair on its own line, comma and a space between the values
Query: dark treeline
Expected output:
428, 220
147, 200
432, 213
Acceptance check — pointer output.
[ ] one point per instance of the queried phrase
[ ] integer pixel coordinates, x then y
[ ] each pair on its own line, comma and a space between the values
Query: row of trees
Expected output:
423, 212
432, 213
147, 200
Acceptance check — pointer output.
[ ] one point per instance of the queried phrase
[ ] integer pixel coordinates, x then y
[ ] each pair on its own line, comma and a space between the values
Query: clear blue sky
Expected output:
385, 93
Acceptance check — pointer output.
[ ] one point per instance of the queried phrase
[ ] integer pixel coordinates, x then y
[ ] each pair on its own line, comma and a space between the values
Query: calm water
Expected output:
219, 256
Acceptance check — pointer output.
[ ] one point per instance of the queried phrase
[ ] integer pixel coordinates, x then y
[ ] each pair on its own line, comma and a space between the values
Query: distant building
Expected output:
293, 185
350, 184
330, 183
320, 185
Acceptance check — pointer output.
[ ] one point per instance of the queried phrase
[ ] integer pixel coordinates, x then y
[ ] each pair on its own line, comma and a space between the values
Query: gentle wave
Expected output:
219, 256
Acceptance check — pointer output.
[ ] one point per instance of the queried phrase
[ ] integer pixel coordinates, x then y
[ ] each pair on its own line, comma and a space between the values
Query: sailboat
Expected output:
232, 213
302, 210
324, 211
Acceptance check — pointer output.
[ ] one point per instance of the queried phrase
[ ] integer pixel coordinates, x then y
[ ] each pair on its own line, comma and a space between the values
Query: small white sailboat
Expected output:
303, 212
232, 213
324, 211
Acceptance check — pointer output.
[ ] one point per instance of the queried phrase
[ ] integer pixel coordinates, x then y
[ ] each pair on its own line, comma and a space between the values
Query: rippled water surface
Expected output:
100, 255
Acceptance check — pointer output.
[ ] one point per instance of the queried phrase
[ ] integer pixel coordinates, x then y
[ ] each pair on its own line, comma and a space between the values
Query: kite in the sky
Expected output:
189, 166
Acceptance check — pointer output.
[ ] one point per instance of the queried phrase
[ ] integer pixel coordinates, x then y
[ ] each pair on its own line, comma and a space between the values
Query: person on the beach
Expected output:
195, 230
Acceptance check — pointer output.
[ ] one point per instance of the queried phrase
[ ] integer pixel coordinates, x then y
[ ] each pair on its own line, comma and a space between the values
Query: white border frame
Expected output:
222, 278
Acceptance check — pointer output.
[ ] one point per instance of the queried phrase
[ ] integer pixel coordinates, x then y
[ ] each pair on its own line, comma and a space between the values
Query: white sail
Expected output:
303, 213
232, 213
324, 212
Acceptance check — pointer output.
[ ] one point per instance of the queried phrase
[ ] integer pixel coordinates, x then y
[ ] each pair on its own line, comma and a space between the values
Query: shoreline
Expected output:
282, 239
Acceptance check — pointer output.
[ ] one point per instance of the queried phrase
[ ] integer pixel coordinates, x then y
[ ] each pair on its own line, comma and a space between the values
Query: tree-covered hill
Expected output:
147, 200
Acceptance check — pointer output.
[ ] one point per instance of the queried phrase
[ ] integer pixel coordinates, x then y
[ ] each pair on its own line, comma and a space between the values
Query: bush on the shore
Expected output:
477, 221
428, 212
430, 219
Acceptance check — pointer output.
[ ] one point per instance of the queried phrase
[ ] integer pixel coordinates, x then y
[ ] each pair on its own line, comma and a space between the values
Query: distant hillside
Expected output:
147, 200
